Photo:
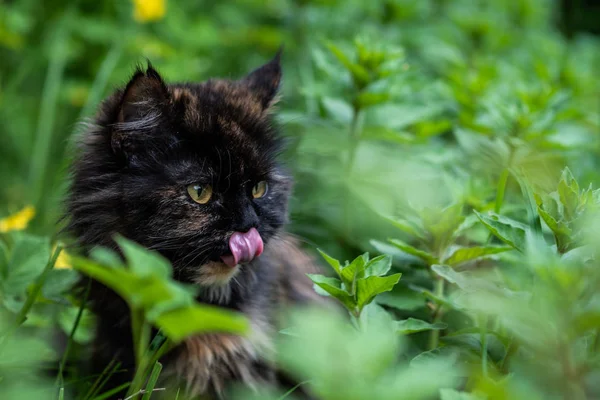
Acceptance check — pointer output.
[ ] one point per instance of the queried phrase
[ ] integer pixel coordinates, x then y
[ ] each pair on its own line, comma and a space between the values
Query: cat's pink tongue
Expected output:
244, 247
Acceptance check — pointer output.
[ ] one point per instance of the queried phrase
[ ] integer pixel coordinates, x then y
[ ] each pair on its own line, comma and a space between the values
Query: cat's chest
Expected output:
208, 363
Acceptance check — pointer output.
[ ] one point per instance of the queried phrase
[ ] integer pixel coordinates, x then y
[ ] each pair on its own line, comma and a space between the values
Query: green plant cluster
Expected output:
457, 141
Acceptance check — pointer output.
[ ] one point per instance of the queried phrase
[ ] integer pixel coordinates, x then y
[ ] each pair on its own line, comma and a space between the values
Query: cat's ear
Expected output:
142, 104
145, 93
264, 81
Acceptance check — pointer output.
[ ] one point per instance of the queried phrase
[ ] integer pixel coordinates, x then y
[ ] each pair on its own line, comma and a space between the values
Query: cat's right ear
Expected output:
140, 109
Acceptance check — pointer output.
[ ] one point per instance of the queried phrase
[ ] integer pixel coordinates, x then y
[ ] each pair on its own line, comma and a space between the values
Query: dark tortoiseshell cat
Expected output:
190, 171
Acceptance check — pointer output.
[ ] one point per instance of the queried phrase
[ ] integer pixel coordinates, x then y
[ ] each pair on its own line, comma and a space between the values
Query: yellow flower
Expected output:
17, 221
63, 261
148, 10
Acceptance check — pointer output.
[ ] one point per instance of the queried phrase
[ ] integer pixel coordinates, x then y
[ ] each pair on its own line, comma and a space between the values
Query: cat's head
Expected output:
187, 169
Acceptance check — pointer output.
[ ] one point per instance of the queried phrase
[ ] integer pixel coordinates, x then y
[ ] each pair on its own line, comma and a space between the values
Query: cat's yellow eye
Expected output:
201, 194
259, 190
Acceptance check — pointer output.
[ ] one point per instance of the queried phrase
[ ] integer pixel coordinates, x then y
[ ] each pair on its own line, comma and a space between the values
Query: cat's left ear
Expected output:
264, 81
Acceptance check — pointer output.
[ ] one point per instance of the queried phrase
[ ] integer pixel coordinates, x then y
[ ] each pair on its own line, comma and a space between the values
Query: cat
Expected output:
190, 170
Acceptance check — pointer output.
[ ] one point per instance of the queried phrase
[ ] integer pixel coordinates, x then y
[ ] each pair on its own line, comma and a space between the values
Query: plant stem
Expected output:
101, 380
142, 369
63, 361
501, 190
434, 335
596, 345
355, 133
37, 288
573, 387
138, 328
484, 345
355, 130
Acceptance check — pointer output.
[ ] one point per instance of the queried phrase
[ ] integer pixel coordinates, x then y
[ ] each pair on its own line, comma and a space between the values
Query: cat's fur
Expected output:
148, 142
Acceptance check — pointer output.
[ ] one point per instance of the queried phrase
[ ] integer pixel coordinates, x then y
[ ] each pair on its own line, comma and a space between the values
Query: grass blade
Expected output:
289, 392
152, 381
48, 108
111, 392
110, 369
63, 361
106, 68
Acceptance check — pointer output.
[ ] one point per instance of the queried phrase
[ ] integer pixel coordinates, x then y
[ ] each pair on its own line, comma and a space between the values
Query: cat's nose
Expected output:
247, 220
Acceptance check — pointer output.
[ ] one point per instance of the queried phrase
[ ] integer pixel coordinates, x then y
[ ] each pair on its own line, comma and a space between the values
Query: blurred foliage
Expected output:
433, 132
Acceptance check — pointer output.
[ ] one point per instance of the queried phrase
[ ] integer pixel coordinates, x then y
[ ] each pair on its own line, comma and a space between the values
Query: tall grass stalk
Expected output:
42, 147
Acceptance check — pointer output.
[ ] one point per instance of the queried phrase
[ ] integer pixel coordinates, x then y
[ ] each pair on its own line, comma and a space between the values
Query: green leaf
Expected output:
464, 254
472, 342
370, 287
443, 301
152, 381
568, 192
400, 116
359, 73
142, 261
338, 109
85, 329
402, 298
378, 266
405, 247
587, 320
29, 257
366, 99
354, 271
333, 287
106, 257
58, 282
562, 233
168, 304
464, 280
442, 223
509, 231
412, 325
406, 226
451, 394
386, 135
426, 357
335, 264
182, 322
450, 275
558, 228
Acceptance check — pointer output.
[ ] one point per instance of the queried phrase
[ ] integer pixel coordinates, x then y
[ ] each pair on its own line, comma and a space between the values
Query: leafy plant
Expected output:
363, 364
154, 298
565, 211
359, 281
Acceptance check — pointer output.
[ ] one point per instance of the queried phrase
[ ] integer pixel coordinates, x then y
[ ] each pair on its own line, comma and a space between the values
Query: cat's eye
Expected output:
201, 194
259, 190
